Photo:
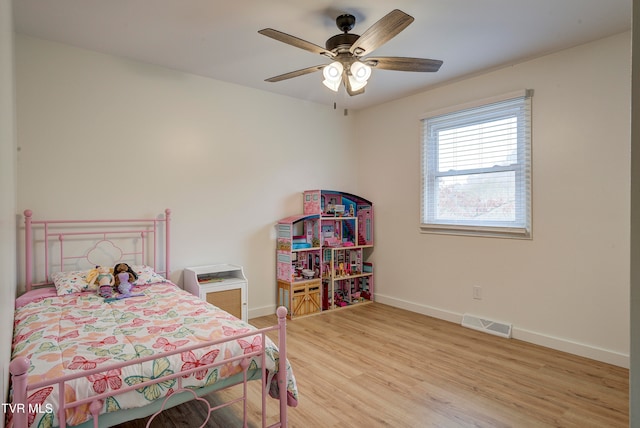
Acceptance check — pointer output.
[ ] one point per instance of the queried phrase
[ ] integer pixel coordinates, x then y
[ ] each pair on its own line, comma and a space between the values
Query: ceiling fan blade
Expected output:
381, 32
403, 63
295, 73
295, 41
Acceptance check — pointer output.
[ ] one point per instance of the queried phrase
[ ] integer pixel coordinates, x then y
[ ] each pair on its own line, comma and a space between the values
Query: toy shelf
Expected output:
337, 278
321, 255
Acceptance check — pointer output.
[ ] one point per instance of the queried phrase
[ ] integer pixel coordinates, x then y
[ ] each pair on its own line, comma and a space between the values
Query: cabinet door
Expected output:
228, 300
305, 299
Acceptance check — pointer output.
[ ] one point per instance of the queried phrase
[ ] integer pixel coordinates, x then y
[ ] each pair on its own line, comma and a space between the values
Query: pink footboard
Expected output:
20, 366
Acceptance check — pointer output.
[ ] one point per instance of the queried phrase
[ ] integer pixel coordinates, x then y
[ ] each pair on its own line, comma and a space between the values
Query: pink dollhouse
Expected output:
330, 203
321, 260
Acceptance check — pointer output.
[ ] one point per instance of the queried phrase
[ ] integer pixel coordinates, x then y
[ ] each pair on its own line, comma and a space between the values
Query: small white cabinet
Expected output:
223, 285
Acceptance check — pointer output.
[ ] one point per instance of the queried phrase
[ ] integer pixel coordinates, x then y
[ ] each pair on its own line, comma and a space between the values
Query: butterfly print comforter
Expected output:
68, 334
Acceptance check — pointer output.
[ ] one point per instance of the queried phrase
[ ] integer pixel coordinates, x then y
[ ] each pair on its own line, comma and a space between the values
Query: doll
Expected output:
104, 278
124, 287
124, 278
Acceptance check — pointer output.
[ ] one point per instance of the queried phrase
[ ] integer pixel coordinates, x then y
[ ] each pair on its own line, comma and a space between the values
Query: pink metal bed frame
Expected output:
19, 366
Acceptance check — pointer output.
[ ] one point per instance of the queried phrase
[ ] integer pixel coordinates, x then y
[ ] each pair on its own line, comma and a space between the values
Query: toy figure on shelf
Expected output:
347, 270
326, 270
341, 271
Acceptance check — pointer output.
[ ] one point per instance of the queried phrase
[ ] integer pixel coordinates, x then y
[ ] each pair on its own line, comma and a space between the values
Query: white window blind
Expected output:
476, 169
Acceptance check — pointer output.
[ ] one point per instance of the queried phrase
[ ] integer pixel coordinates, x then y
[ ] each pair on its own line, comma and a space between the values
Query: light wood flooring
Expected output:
378, 366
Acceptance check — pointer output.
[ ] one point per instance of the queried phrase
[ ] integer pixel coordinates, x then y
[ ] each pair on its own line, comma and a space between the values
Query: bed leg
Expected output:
282, 363
95, 408
18, 369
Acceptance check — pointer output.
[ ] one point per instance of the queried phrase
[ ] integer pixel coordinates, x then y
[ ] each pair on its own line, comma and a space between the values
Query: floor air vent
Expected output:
488, 326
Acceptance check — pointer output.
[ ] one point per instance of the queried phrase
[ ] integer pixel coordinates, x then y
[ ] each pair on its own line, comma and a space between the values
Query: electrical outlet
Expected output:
477, 292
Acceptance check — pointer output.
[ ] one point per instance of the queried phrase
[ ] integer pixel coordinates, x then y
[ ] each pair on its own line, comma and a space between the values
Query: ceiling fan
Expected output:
350, 67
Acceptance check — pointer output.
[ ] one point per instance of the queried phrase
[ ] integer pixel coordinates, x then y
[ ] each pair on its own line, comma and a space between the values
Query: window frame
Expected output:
473, 113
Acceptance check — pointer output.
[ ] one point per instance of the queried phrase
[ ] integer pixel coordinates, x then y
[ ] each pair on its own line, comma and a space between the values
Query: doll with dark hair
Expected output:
124, 278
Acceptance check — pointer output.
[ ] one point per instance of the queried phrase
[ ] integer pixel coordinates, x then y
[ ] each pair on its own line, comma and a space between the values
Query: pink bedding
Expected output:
35, 295
68, 334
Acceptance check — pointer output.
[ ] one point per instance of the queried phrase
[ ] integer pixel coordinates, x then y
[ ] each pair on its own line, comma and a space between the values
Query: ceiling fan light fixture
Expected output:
355, 84
334, 86
360, 72
332, 75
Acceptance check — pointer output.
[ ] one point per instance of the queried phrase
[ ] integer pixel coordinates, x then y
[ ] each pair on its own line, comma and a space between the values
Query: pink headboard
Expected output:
66, 245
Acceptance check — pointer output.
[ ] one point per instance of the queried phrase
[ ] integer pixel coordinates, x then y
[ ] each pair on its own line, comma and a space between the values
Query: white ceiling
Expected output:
219, 38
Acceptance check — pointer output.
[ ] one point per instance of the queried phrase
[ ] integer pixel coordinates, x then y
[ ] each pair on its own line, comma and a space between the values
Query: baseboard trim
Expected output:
559, 344
595, 353
262, 311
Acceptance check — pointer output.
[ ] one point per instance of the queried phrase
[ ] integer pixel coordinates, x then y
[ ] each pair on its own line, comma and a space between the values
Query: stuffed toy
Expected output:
105, 279
125, 276
123, 267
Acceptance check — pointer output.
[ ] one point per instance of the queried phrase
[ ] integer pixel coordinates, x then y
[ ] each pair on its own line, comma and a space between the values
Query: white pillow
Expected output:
70, 282
146, 275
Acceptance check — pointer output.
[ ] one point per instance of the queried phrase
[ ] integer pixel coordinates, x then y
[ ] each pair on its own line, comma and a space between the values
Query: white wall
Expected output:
568, 287
101, 136
8, 192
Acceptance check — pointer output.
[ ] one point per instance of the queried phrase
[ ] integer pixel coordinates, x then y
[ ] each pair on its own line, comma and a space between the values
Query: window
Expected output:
476, 168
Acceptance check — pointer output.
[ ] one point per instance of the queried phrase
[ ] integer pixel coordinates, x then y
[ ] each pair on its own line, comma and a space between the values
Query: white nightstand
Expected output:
223, 285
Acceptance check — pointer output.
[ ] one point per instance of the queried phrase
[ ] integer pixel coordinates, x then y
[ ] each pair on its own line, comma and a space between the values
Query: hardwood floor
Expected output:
378, 366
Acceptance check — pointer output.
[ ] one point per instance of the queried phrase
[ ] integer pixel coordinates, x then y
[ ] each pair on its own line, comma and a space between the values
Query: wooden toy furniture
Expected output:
321, 255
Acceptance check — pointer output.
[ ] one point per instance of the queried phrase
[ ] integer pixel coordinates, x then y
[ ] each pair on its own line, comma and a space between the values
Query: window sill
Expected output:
486, 232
